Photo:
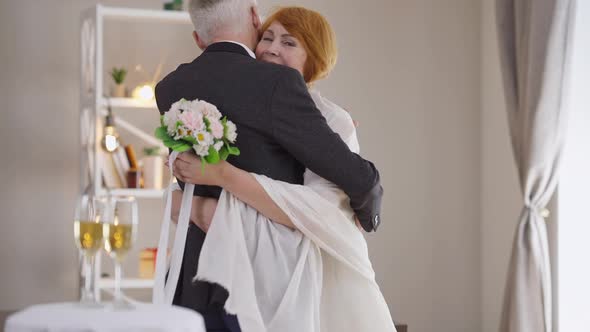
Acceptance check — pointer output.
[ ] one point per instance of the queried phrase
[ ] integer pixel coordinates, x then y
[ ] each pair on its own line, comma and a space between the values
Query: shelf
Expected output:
128, 283
138, 193
146, 15
128, 103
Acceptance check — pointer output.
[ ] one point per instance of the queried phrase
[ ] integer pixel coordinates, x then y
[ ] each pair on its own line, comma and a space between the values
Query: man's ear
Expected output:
256, 22
202, 45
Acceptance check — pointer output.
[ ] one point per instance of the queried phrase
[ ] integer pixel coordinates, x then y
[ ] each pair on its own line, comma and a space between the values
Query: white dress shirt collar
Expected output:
244, 46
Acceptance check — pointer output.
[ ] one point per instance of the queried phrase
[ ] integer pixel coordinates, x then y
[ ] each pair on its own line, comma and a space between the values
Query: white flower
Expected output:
180, 132
231, 132
218, 145
203, 138
170, 119
204, 141
175, 114
201, 150
171, 129
175, 108
206, 109
180, 106
184, 105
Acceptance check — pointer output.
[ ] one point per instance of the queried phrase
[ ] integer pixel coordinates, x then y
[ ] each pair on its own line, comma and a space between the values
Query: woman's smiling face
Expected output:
278, 46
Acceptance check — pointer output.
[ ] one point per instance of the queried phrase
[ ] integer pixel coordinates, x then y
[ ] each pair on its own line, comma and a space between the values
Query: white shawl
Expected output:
317, 278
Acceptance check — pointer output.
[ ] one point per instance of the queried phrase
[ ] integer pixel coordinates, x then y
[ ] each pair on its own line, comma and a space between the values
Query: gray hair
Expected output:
212, 16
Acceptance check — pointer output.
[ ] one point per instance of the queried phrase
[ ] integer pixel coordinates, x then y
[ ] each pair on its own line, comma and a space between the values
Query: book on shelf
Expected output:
131, 157
122, 165
109, 171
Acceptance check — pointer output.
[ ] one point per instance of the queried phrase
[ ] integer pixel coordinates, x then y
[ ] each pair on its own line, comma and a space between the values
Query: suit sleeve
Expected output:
299, 127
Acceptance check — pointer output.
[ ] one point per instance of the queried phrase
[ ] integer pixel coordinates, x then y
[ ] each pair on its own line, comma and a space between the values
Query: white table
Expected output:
70, 317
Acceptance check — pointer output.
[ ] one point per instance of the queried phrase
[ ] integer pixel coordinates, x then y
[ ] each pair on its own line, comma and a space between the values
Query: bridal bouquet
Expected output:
198, 125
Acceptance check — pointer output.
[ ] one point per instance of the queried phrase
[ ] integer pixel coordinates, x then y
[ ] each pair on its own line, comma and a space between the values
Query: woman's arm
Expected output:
240, 183
244, 186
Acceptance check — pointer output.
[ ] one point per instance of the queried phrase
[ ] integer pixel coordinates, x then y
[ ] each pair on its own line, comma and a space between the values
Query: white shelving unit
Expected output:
137, 193
93, 104
127, 103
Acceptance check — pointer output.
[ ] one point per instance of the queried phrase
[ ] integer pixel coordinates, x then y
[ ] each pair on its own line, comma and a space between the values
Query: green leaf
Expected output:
161, 133
234, 151
213, 156
118, 74
182, 148
162, 121
168, 141
176, 145
223, 153
190, 139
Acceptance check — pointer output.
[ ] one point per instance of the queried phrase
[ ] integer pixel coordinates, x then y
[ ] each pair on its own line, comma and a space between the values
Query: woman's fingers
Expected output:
177, 171
185, 157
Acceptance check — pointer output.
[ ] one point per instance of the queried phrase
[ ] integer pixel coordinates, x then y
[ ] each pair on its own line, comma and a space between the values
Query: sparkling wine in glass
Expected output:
120, 234
88, 235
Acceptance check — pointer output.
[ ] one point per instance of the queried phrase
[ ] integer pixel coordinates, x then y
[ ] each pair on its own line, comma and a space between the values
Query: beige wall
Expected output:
409, 72
500, 195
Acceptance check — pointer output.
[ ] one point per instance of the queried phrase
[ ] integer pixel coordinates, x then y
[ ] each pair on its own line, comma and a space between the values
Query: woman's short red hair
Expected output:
315, 33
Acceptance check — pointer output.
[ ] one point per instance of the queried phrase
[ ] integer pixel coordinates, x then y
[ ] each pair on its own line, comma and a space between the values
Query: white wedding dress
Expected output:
317, 278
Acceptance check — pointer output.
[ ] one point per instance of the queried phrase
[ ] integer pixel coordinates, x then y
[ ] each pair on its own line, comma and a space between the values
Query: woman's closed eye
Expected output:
289, 43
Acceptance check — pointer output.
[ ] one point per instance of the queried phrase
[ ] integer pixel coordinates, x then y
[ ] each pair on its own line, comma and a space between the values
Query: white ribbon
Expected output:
164, 290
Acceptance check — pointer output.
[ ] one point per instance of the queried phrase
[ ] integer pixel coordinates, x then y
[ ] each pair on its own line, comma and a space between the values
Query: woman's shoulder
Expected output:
337, 118
335, 115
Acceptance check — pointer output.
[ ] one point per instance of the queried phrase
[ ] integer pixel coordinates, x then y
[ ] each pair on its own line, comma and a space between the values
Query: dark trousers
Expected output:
219, 321
205, 298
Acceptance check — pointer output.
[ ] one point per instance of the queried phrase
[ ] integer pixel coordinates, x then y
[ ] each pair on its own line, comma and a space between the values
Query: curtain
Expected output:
535, 50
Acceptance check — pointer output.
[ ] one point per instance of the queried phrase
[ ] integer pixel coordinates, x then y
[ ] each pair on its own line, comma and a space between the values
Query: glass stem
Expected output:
87, 295
118, 297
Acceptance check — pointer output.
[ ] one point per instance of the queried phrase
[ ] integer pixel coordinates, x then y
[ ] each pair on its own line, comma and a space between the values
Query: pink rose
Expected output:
216, 128
191, 120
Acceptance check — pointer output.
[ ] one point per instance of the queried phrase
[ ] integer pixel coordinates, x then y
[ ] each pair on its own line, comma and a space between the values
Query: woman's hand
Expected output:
243, 185
187, 168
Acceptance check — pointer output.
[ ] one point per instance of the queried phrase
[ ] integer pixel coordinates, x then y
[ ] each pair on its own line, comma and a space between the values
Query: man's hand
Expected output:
187, 168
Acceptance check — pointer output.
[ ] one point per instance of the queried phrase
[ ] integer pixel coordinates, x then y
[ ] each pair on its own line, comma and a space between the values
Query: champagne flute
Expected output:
88, 233
120, 233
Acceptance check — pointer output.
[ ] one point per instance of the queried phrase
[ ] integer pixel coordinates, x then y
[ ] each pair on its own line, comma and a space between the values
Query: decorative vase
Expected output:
119, 91
153, 171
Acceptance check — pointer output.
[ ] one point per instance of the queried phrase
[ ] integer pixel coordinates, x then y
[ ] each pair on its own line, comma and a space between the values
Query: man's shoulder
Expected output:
174, 75
238, 64
273, 72
284, 73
